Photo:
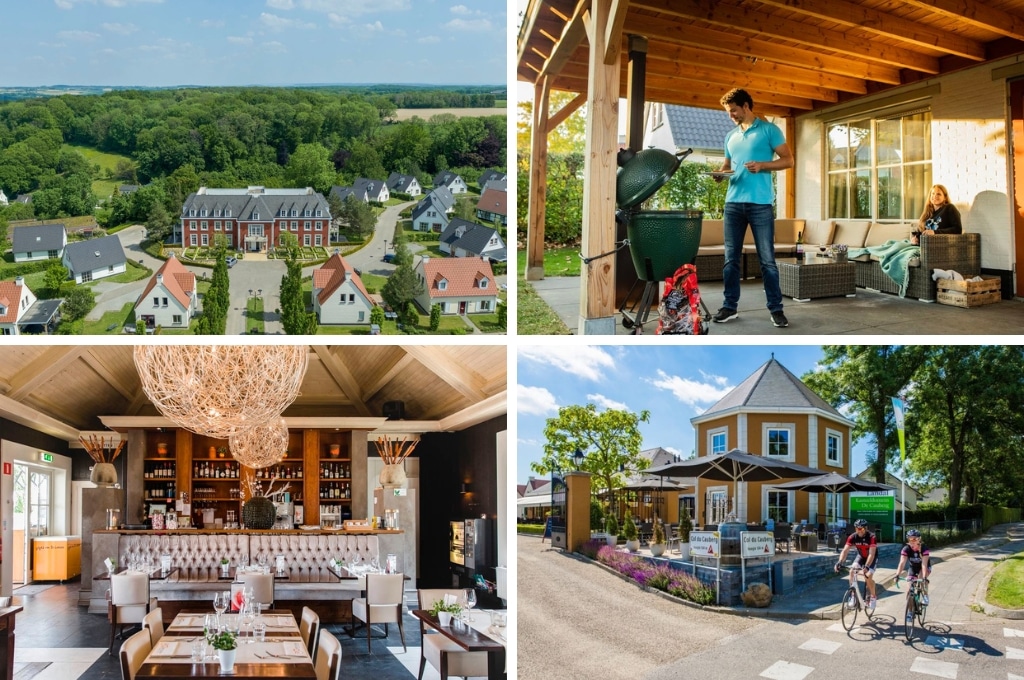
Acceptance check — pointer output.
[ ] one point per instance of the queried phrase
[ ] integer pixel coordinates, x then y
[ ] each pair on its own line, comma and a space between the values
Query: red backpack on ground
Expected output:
680, 311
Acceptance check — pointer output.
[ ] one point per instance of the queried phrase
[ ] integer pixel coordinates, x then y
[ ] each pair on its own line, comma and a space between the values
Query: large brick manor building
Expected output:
254, 218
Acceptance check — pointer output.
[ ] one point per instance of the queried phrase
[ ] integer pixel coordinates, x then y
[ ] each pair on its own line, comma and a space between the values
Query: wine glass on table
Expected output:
823, 250
221, 600
209, 628
262, 560
470, 603
248, 615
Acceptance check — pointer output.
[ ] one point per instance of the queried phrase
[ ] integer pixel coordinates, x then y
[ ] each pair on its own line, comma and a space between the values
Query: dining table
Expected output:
476, 636
281, 654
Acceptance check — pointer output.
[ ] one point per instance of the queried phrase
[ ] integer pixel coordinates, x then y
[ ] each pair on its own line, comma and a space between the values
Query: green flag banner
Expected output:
897, 407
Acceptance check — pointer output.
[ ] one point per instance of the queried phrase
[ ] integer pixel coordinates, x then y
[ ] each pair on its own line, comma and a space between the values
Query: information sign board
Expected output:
705, 544
757, 544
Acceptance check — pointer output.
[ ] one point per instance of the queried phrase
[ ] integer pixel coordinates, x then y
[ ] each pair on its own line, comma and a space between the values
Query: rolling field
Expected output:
425, 114
101, 187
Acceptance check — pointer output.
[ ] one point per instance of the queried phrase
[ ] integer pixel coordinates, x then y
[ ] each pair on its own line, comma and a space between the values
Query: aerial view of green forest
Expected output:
70, 151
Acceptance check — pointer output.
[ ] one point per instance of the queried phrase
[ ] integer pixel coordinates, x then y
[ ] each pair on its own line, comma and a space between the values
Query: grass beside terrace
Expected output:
563, 261
1006, 587
534, 317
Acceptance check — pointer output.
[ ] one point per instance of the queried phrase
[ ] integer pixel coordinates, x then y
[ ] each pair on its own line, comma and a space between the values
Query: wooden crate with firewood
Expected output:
969, 293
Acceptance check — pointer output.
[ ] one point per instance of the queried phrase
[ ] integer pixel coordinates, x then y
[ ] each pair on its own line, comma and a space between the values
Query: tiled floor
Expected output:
58, 640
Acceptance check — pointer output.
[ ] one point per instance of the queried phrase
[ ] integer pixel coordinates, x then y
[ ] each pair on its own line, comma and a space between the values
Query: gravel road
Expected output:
575, 620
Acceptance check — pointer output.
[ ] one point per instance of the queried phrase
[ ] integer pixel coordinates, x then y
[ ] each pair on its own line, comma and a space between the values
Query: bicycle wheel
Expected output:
921, 608
849, 609
908, 621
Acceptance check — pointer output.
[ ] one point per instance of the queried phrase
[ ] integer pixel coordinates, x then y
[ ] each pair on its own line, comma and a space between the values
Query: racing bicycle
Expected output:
916, 607
853, 600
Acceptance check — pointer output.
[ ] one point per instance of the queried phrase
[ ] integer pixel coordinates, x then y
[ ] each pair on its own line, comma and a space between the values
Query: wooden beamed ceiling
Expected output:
61, 390
793, 56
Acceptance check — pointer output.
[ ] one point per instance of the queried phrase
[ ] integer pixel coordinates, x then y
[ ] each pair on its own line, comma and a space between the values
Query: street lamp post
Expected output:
385, 246
578, 458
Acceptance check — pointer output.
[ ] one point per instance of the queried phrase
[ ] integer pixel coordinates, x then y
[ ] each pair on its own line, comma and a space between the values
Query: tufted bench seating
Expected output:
197, 559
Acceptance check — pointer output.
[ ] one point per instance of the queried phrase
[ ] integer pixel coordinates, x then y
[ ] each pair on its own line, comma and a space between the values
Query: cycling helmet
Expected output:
913, 533
861, 523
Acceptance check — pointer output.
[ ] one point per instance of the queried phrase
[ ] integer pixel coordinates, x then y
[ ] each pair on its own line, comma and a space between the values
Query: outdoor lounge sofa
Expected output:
957, 252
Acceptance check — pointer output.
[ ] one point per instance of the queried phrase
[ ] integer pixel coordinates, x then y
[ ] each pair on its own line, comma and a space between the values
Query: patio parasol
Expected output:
734, 466
833, 482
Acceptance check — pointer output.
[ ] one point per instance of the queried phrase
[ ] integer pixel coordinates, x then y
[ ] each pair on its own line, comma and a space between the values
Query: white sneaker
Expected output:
910, 618
872, 603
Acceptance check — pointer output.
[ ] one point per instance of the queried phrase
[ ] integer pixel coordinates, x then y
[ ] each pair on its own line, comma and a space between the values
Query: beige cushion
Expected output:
819, 232
712, 233
460, 662
851, 233
711, 250
786, 229
384, 597
880, 233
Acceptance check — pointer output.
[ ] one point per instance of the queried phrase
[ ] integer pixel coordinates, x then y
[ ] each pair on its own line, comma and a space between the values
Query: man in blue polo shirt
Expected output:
750, 154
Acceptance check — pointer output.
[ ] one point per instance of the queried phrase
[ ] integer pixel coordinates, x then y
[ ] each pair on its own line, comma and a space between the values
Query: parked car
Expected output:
232, 261
388, 257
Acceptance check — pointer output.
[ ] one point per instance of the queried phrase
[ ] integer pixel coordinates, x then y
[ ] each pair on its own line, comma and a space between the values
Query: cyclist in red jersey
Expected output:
867, 551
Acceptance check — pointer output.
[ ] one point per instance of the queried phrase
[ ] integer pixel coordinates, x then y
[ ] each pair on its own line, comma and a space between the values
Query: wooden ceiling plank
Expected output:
337, 369
662, 51
386, 375
48, 364
769, 26
613, 44
571, 37
888, 25
719, 41
464, 381
97, 365
22, 414
978, 14
492, 407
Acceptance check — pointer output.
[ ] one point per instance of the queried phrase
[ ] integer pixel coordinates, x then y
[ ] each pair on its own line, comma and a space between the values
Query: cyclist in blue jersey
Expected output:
866, 546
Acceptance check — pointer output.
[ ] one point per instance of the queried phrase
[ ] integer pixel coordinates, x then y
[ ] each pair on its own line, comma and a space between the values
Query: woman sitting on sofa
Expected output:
939, 216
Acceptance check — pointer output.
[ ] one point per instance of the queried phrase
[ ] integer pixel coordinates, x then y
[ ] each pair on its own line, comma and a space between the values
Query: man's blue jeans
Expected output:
761, 219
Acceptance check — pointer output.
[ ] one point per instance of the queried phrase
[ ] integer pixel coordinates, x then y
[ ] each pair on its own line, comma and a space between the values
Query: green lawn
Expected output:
488, 323
373, 282
254, 315
1006, 587
557, 262
534, 317
432, 249
107, 161
119, 319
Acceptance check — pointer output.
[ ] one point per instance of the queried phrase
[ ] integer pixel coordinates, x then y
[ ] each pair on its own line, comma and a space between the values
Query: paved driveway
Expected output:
254, 274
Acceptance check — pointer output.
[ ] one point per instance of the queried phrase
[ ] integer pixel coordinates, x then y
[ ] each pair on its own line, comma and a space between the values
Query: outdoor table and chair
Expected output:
477, 636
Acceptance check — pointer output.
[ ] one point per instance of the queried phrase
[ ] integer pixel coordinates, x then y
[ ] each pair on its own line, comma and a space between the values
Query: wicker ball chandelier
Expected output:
261, 446
218, 390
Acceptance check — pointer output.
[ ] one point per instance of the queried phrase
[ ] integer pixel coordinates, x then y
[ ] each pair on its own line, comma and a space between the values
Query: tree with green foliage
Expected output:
56, 275
78, 302
410, 316
158, 223
610, 440
402, 286
861, 380
359, 216
435, 317
310, 166
294, 318
140, 327
377, 315
4, 228
502, 315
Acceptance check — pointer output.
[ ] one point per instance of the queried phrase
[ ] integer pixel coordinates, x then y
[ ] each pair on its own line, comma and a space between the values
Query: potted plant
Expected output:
658, 539
596, 520
629, 531
226, 643
685, 527
225, 565
612, 527
445, 612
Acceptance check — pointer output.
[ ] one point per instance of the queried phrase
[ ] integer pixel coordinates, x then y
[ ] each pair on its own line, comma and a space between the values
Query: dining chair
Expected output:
328, 657
443, 654
382, 604
134, 651
154, 623
309, 628
262, 588
129, 602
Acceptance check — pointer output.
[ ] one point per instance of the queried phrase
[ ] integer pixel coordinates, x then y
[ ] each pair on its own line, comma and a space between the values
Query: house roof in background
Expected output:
96, 253
38, 237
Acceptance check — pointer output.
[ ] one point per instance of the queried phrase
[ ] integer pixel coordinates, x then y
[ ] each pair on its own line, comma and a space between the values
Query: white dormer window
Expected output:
483, 283
306, 213
3, 311
319, 213
203, 213
283, 213
255, 215
295, 213
192, 213
216, 213
227, 213
442, 284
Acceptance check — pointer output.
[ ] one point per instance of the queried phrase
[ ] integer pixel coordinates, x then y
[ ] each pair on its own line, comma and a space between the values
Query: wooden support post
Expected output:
788, 177
577, 501
538, 183
597, 283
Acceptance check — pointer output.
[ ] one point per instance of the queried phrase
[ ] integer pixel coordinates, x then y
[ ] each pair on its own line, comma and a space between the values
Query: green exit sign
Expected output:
47, 457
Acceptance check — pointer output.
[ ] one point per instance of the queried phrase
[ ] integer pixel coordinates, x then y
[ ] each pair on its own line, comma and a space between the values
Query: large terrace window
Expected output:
879, 168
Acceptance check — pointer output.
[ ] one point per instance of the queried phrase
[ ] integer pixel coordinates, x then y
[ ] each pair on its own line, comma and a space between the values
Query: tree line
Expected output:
234, 137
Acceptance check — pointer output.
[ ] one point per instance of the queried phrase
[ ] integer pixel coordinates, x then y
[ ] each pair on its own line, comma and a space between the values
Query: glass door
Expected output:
32, 515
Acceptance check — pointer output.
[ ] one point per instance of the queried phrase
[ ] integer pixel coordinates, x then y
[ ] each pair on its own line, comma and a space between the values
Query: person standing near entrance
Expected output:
753, 149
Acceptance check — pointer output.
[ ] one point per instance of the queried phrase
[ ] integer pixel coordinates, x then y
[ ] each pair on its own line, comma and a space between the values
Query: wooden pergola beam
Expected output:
871, 20
613, 46
978, 14
767, 25
570, 108
571, 36
536, 211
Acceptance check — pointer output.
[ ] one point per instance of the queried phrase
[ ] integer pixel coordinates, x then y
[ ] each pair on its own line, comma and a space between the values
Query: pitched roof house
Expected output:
493, 205
375, 190
451, 181
15, 301
461, 285
39, 242
488, 176
126, 189
429, 214
343, 192
463, 238
169, 299
94, 259
685, 127
445, 197
3, 198
339, 296
404, 184
772, 414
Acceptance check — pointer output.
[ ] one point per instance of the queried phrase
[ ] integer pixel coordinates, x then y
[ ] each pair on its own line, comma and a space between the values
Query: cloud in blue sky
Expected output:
253, 42
587, 362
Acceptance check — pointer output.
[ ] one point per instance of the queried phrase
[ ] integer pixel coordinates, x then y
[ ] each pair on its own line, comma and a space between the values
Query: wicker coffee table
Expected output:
816, 277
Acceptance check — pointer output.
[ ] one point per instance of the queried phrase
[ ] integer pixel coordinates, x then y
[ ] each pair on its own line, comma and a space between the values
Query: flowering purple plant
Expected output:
659, 577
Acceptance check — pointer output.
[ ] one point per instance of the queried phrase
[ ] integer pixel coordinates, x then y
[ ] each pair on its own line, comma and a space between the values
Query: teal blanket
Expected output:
894, 258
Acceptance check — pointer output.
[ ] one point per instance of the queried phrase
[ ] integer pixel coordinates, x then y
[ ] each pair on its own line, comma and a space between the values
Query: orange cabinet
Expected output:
56, 558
